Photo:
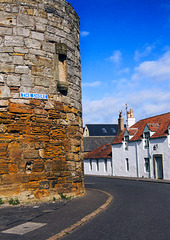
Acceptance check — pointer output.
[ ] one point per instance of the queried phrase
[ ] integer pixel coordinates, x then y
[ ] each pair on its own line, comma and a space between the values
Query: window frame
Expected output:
127, 165
147, 165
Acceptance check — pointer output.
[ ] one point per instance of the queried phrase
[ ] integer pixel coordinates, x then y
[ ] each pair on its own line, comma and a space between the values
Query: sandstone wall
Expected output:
40, 100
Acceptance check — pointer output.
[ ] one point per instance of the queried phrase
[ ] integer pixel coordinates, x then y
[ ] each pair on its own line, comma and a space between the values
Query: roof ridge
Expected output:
153, 116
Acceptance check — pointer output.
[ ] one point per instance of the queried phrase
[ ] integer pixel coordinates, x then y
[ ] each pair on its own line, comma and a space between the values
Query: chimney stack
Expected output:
130, 118
120, 122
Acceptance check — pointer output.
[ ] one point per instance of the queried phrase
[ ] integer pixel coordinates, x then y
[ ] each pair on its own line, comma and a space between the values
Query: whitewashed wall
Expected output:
119, 155
136, 154
102, 170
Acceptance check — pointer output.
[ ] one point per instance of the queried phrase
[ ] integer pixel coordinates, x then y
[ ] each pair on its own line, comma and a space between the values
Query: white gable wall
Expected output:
119, 156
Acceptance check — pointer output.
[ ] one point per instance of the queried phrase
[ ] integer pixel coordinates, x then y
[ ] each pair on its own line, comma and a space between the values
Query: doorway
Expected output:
158, 166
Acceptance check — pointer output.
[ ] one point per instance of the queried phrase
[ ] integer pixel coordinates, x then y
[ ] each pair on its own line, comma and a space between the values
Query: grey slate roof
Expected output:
91, 143
102, 129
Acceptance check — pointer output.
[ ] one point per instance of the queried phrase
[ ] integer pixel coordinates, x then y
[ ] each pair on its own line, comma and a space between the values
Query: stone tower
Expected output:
40, 100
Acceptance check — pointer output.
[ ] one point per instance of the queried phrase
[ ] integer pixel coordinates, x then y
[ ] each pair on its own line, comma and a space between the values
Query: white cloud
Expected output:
84, 33
104, 110
145, 53
145, 103
116, 58
91, 84
122, 71
158, 70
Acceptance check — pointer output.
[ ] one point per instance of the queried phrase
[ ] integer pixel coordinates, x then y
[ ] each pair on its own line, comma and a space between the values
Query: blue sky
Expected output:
125, 55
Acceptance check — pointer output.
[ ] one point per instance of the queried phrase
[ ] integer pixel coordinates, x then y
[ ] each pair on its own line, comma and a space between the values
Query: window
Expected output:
113, 130
60, 67
104, 130
127, 164
126, 138
105, 165
97, 164
146, 139
147, 165
90, 165
169, 130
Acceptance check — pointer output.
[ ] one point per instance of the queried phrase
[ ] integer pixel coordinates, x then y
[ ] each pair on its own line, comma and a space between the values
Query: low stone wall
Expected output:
41, 148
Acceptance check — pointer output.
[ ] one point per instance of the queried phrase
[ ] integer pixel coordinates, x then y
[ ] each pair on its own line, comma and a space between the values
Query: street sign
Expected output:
34, 95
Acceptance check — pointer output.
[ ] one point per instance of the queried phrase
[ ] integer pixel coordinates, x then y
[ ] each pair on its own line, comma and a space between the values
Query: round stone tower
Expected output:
40, 100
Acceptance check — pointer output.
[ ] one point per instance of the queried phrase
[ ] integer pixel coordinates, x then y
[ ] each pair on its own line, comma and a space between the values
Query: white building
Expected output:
99, 161
143, 148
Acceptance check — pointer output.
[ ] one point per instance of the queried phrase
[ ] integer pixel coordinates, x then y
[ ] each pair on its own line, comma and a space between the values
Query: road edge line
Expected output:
84, 219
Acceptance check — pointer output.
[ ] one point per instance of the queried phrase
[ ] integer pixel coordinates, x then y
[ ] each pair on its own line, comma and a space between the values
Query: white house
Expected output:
143, 149
99, 161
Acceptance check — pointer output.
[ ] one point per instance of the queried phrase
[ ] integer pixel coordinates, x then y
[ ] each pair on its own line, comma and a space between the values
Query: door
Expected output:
159, 168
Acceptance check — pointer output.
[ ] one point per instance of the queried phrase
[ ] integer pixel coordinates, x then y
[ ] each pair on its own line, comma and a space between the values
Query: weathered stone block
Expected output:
14, 41
5, 58
14, 178
42, 82
14, 151
30, 154
13, 80
32, 43
21, 31
38, 166
37, 35
4, 92
3, 168
13, 168
10, 190
20, 50
6, 49
40, 27
41, 193
20, 108
22, 69
5, 30
49, 47
25, 20
27, 81
18, 60
30, 186
4, 103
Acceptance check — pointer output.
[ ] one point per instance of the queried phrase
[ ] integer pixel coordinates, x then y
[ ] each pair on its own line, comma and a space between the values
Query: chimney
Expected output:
130, 118
120, 123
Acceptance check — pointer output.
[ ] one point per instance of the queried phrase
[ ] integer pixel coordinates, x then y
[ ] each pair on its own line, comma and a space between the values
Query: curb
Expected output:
85, 219
133, 179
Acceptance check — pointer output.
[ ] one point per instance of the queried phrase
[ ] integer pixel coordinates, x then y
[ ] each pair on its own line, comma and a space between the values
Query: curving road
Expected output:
139, 211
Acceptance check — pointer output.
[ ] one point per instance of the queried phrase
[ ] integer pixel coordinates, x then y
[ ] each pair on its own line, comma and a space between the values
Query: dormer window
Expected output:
169, 129
146, 136
126, 139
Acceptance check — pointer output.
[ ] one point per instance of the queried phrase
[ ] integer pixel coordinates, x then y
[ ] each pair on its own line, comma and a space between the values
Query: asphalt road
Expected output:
140, 211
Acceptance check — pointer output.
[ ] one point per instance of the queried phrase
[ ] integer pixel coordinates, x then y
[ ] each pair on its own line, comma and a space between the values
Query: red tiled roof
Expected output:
104, 151
153, 126
158, 124
132, 131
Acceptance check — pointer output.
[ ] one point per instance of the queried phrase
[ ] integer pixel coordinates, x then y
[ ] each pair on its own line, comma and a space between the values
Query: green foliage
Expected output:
54, 199
64, 196
14, 201
1, 202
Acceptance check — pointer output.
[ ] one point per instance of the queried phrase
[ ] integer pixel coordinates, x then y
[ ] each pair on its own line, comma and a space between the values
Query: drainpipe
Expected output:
149, 153
137, 159
112, 162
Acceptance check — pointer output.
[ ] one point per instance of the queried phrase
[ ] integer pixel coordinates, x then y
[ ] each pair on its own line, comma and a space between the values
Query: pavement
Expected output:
51, 220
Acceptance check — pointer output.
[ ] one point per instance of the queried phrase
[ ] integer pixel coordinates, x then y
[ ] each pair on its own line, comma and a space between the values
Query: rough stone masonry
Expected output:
41, 148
